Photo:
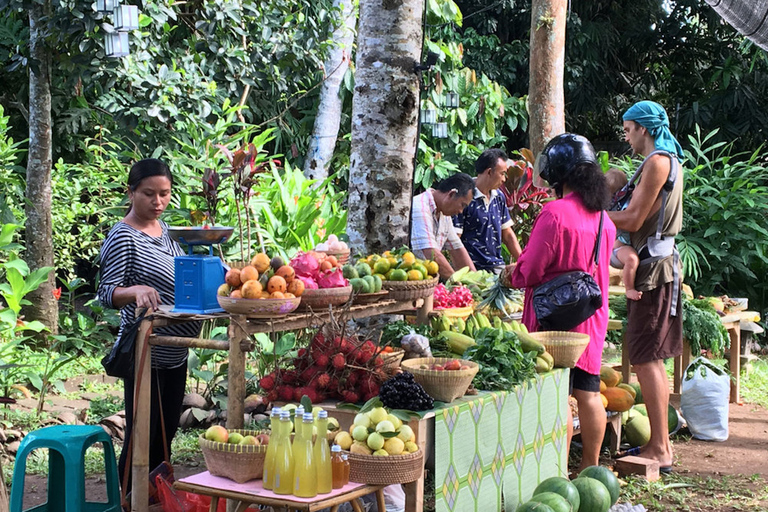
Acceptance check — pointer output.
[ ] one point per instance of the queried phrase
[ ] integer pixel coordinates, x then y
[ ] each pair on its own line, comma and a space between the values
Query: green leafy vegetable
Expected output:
392, 333
702, 327
503, 364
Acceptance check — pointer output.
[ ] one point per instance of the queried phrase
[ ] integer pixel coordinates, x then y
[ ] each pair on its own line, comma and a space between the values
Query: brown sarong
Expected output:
651, 333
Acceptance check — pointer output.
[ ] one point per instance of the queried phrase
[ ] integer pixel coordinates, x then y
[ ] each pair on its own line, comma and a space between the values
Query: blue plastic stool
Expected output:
66, 469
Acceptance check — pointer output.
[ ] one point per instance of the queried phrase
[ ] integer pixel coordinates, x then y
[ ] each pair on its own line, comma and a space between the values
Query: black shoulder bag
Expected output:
567, 300
119, 362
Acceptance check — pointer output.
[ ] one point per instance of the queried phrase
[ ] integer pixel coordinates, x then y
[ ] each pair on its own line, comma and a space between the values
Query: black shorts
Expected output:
583, 381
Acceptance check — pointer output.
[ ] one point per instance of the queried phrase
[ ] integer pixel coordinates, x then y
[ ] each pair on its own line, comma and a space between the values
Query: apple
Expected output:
438, 368
217, 433
250, 440
453, 364
235, 438
464, 367
263, 439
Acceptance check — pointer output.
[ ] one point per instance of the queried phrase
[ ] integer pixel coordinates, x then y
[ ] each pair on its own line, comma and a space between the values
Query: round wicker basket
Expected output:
446, 385
564, 346
237, 462
392, 359
259, 308
341, 256
395, 469
410, 290
369, 298
324, 297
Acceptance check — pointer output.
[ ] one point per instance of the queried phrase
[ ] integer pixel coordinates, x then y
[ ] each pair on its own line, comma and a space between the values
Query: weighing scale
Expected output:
198, 276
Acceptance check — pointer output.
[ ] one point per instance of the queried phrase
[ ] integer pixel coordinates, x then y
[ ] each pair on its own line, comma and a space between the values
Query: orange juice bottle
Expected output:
269, 460
345, 459
322, 454
284, 464
305, 472
337, 467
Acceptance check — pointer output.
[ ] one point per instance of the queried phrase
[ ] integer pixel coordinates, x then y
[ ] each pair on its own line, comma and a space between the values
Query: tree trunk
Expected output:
384, 124
328, 118
546, 102
38, 232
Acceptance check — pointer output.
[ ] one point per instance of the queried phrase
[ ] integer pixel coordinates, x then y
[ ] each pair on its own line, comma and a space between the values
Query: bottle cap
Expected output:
308, 418
322, 415
285, 415
344, 456
300, 411
276, 411
335, 448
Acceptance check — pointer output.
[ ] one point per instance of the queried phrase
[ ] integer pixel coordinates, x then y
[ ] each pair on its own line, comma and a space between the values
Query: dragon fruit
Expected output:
309, 282
305, 264
332, 279
458, 297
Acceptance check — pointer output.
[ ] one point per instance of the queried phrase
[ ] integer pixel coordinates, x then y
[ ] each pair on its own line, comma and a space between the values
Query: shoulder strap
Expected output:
596, 250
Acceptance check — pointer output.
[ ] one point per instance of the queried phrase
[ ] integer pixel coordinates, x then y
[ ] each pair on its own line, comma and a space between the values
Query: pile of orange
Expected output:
263, 278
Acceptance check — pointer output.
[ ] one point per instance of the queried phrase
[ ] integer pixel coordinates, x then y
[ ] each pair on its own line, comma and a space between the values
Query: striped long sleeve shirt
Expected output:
131, 257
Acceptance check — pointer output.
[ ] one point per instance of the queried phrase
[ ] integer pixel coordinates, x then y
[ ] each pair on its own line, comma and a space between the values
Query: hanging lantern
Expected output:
116, 44
440, 130
126, 17
106, 6
428, 116
452, 100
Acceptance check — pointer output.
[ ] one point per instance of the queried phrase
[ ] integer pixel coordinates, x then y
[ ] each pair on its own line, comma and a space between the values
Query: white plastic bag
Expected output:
704, 400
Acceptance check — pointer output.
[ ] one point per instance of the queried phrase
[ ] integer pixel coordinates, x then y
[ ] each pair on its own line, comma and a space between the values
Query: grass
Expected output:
754, 384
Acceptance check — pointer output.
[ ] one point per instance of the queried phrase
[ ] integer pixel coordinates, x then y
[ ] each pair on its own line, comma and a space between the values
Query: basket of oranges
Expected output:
403, 275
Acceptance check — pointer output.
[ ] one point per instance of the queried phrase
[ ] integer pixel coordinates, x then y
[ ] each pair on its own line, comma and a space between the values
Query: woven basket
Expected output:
324, 297
392, 359
259, 308
462, 313
237, 462
410, 290
395, 469
341, 256
369, 298
446, 385
565, 347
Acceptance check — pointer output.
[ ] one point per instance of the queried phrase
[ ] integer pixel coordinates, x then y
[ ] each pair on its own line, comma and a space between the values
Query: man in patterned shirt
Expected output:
432, 229
485, 224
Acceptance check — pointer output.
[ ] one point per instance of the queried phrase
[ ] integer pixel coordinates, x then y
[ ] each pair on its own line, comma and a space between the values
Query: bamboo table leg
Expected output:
380, 500
214, 504
335, 508
236, 372
355, 505
142, 403
626, 368
734, 332
422, 314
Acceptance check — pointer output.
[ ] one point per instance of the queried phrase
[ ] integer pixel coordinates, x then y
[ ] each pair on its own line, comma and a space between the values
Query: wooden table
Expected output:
244, 499
238, 345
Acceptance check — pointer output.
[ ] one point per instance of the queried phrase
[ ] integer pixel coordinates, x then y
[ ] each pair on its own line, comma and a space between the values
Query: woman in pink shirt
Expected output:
563, 240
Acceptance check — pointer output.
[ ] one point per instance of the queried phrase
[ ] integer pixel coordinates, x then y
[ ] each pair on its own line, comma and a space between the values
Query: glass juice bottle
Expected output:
337, 467
322, 454
345, 458
284, 464
268, 480
305, 472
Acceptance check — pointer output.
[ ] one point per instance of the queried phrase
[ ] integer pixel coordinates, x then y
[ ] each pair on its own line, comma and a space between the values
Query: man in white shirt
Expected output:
432, 228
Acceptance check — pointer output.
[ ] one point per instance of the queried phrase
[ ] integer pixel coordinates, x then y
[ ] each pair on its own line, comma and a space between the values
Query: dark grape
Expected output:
403, 392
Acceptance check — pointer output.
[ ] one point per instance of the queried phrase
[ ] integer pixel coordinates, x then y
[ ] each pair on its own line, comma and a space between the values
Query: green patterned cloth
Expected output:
501, 443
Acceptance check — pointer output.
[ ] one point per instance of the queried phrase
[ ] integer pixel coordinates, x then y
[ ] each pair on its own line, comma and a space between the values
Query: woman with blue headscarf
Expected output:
653, 217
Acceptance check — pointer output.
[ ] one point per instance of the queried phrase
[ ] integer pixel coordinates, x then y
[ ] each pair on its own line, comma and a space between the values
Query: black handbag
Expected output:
119, 362
567, 300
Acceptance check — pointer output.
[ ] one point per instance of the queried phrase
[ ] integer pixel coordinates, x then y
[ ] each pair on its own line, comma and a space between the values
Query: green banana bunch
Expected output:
460, 325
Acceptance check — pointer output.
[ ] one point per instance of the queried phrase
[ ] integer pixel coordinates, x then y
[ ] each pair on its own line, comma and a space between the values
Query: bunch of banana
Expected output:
442, 323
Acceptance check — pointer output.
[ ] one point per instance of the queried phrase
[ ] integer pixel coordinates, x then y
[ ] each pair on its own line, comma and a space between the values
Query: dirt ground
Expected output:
743, 456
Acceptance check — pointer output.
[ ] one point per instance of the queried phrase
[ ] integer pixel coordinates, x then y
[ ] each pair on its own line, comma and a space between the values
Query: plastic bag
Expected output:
415, 345
181, 501
704, 400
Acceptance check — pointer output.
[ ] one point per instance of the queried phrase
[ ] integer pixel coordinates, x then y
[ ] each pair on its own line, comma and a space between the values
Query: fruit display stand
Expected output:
238, 344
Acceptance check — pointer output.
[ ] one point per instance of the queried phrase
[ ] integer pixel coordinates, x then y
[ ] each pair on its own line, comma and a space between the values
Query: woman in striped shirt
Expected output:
137, 271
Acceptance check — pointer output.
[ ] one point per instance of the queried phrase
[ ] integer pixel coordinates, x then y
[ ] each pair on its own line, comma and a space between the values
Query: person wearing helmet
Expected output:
653, 217
563, 239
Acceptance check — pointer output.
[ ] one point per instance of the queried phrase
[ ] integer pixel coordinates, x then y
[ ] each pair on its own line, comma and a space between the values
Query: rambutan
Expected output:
319, 341
267, 383
312, 394
339, 362
285, 393
302, 352
323, 380
272, 396
353, 378
370, 395
346, 347
350, 396
308, 374
290, 377
322, 360
368, 346
298, 393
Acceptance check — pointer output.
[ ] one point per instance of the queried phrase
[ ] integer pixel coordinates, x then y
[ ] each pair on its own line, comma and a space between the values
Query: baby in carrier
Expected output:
624, 255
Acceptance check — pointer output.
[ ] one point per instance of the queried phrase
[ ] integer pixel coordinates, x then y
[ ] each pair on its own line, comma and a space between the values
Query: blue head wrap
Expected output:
653, 118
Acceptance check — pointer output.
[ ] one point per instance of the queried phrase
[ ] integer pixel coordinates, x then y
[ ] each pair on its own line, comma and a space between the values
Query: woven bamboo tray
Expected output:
369, 298
324, 297
395, 469
392, 359
259, 308
462, 313
410, 290
564, 346
446, 385
237, 462
341, 256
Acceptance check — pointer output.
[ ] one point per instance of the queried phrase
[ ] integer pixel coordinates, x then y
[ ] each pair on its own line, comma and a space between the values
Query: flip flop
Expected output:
665, 470
631, 451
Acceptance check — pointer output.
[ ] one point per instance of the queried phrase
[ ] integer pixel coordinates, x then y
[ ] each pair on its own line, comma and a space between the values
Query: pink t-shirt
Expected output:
562, 240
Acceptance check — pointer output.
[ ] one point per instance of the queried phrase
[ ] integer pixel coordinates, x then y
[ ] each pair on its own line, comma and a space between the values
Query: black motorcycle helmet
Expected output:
559, 157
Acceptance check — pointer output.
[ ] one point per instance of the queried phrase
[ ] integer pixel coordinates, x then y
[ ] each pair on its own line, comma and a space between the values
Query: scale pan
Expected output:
200, 236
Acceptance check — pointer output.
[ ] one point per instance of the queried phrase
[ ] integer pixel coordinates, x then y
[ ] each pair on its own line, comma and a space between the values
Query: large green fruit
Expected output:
561, 486
553, 501
593, 495
638, 392
638, 430
534, 506
357, 284
363, 269
606, 476
672, 418
641, 408
349, 272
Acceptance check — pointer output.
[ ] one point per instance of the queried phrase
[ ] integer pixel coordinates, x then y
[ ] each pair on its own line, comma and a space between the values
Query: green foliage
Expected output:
723, 242
703, 329
503, 364
102, 407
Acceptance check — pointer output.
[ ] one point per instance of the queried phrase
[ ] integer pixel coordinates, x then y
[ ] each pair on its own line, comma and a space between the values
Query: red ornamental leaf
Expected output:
226, 152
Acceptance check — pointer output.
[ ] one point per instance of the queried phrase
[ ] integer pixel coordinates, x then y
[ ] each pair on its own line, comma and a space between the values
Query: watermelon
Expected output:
553, 501
638, 392
534, 506
672, 418
593, 495
561, 486
606, 476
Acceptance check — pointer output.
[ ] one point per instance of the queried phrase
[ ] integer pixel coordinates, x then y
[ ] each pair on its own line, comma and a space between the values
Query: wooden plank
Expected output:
140, 431
236, 373
178, 341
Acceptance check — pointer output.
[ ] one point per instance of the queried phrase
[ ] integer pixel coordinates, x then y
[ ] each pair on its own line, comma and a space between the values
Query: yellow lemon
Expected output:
432, 268
409, 258
415, 275
421, 268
